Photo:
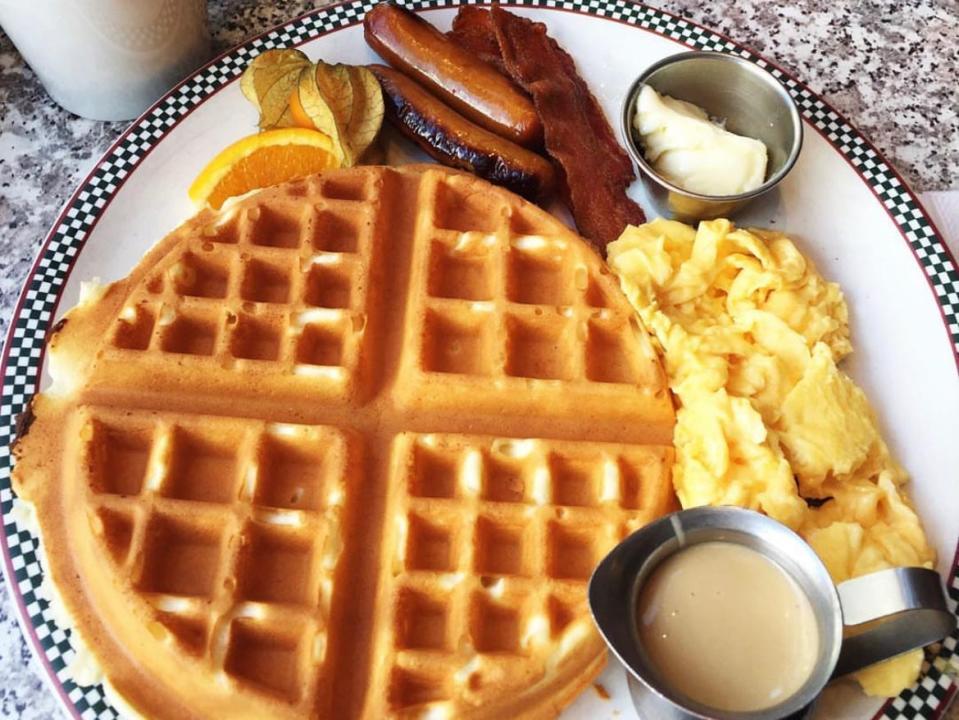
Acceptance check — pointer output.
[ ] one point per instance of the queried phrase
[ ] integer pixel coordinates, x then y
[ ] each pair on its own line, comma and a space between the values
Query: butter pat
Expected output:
689, 150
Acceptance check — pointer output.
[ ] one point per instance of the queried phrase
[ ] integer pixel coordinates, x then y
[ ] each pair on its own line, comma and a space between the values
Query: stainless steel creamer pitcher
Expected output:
860, 621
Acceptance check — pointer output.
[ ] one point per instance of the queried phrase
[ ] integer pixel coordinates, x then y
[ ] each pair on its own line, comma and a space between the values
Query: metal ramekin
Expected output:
752, 103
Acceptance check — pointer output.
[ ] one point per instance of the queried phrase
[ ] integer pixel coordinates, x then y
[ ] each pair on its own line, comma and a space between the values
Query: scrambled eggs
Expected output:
751, 335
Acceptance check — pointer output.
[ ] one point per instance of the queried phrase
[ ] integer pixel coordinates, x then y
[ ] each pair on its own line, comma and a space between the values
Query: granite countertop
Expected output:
889, 67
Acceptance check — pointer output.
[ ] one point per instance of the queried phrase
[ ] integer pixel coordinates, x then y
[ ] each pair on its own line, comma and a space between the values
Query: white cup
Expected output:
108, 59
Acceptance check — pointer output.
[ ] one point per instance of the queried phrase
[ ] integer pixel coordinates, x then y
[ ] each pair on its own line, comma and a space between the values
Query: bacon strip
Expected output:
473, 30
577, 134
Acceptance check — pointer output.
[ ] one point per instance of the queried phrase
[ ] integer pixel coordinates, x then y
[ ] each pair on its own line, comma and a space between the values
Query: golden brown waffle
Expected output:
485, 566
349, 448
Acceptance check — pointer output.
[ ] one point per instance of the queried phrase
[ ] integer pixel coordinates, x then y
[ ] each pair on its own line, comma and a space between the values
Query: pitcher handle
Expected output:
889, 612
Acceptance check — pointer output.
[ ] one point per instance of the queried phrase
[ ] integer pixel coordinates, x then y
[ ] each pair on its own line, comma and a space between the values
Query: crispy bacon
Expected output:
577, 134
473, 30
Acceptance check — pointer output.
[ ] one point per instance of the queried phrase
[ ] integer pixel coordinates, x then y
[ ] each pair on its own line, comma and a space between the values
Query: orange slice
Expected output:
262, 160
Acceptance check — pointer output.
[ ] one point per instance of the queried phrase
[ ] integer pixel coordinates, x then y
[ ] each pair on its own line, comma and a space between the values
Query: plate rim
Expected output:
139, 139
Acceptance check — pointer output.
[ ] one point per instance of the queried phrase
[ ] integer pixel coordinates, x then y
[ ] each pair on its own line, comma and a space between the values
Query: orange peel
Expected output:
261, 160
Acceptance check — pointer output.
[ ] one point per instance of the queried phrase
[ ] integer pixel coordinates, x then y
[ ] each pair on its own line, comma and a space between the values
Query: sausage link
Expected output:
450, 138
466, 83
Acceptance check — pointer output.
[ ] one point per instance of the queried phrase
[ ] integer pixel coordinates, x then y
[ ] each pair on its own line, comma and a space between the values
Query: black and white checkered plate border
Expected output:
23, 352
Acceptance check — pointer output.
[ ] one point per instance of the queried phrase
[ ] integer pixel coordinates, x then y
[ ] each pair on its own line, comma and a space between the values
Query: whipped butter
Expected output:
689, 150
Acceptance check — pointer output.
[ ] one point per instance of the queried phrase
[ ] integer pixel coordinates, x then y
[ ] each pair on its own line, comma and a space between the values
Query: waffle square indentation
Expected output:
133, 333
539, 349
538, 276
434, 473
428, 546
180, 558
189, 335
409, 688
117, 533
609, 356
202, 467
266, 282
320, 345
290, 476
465, 274
225, 232
570, 552
499, 548
254, 339
560, 614
595, 296
274, 228
495, 628
190, 633
464, 212
328, 286
575, 482
524, 222
119, 458
199, 277
420, 621
631, 483
268, 660
458, 345
505, 480
345, 187
335, 234
274, 566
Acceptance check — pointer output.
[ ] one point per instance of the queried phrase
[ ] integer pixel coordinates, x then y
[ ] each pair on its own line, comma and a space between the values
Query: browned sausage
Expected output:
467, 83
450, 138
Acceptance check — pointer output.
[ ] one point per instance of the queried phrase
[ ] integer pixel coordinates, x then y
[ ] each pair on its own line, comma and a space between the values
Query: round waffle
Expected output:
348, 448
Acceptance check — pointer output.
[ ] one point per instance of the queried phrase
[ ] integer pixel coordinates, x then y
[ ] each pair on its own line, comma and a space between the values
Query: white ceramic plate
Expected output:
850, 211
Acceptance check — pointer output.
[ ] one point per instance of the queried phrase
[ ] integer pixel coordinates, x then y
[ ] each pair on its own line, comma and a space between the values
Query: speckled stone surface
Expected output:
889, 67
